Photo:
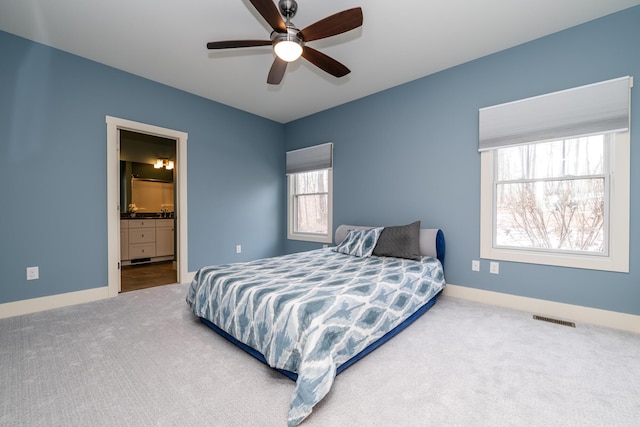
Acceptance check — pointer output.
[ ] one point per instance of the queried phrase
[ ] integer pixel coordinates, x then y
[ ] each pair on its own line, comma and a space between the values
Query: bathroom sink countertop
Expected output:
147, 215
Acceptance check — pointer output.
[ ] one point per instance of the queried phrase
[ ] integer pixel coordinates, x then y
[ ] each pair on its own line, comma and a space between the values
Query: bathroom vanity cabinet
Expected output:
146, 240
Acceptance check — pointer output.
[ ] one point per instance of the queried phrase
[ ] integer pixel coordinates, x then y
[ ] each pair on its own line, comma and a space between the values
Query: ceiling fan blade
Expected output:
270, 13
338, 23
324, 62
276, 73
230, 44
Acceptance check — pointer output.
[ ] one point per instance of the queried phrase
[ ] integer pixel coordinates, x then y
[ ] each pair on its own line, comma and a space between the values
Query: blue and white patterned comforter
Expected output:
310, 312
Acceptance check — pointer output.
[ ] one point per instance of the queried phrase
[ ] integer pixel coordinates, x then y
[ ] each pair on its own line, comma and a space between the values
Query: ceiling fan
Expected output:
289, 43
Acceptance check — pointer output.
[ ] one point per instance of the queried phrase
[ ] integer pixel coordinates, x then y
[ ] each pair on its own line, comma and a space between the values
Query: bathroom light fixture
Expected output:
163, 163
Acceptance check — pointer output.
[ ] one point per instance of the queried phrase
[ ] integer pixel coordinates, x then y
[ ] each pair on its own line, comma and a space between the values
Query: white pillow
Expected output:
359, 242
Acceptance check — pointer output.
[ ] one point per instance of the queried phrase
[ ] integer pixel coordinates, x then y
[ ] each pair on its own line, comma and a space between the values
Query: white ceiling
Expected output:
400, 41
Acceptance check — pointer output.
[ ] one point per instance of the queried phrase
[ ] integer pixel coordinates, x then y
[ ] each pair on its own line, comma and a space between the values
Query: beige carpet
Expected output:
141, 359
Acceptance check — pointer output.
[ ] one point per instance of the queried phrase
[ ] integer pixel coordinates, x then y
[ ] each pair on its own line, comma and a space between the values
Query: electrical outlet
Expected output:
494, 267
475, 265
33, 273
238, 249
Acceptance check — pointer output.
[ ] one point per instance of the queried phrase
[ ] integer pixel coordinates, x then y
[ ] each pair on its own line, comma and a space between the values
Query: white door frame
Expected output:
114, 125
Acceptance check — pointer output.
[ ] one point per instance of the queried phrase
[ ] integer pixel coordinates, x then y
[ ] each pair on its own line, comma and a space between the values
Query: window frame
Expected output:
292, 234
617, 258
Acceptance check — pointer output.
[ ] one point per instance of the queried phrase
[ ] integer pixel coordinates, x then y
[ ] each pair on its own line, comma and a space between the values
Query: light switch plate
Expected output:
475, 265
494, 267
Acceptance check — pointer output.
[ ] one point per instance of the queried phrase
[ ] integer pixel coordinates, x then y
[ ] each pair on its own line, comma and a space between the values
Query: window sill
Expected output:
317, 238
590, 262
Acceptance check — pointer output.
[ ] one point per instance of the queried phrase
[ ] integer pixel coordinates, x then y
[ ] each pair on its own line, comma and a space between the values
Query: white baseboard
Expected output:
575, 313
34, 305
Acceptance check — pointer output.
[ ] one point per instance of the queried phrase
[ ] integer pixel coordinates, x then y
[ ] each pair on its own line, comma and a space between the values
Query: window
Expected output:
310, 193
551, 196
558, 193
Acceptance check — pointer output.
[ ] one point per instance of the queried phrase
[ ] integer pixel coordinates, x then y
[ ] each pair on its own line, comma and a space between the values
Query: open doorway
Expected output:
115, 127
147, 211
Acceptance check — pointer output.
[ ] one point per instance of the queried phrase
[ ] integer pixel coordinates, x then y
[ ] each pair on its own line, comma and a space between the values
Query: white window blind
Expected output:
310, 158
586, 110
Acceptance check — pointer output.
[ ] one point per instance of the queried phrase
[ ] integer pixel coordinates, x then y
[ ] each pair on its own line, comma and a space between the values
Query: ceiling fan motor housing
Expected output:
292, 34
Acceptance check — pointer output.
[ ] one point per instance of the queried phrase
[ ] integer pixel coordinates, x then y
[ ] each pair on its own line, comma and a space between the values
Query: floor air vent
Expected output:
556, 321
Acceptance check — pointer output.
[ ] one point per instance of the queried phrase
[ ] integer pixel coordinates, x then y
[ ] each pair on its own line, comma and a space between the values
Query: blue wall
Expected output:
54, 180
403, 154
410, 153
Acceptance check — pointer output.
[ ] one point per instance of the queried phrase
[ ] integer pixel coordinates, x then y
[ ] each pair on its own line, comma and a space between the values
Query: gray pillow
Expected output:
402, 241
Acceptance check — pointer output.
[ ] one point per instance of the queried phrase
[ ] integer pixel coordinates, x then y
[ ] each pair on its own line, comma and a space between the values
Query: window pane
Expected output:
312, 213
559, 214
312, 182
571, 157
309, 202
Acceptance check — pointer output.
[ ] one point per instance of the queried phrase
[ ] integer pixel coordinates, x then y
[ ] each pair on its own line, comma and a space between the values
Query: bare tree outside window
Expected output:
552, 195
311, 195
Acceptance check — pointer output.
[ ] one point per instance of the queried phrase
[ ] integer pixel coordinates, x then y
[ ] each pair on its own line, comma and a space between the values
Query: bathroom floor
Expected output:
134, 277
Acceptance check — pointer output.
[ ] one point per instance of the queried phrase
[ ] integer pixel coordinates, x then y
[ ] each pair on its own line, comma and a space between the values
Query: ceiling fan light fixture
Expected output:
288, 50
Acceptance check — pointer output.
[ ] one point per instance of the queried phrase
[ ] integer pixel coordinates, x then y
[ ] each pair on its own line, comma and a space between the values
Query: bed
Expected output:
312, 314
